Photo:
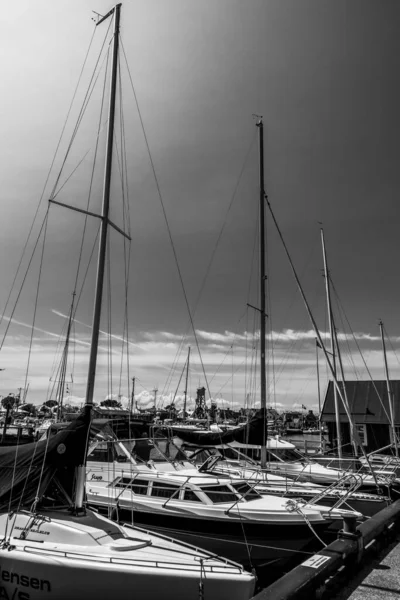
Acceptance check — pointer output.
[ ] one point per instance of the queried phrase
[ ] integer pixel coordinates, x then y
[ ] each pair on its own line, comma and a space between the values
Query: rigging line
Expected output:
27, 476
55, 365
126, 226
293, 343
87, 270
23, 281
82, 111
228, 352
174, 365
55, 194
110, 377
217, 245
48, 175
127, 252
214, 251
361, 354
272, 382
225, 221
124, 176
89, 192
230, 378
168, 229
99, 129
346, 341
179, 383
36, 300
73, 358
252, 263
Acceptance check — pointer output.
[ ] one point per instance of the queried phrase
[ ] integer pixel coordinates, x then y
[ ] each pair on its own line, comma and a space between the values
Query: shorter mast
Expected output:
332, 336
353, 430
64, 362
389, 392
133, 395
186, 384
319, 395
263, 377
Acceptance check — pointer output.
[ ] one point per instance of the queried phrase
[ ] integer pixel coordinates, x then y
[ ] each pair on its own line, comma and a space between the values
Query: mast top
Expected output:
110, 12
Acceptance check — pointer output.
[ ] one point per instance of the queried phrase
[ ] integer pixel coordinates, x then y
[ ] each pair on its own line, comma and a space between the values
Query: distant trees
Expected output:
111, 403
8, 402
50, 403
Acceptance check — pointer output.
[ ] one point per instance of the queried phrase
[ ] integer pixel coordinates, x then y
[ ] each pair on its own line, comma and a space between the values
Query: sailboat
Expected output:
229, 516
51, 545
152, 483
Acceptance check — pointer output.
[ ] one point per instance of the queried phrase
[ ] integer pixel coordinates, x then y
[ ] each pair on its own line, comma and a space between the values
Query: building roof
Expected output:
365, 403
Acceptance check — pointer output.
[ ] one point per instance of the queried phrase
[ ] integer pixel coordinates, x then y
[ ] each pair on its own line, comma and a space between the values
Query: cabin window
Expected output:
139, 486
286, 455
362, 433
219, 494
123, 482
246, 490
103, 452
164, 490
191, 496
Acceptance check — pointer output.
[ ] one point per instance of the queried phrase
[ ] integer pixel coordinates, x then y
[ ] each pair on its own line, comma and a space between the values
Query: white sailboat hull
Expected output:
138, 566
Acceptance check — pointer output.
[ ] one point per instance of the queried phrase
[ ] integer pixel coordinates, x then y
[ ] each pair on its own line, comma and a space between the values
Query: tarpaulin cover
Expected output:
250, 433
26, 471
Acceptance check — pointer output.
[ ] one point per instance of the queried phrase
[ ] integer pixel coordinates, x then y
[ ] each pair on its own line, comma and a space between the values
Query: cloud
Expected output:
104, 333
231, 363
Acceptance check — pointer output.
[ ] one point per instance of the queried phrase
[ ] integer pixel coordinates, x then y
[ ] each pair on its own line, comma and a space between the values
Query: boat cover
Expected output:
253, 432
27, 470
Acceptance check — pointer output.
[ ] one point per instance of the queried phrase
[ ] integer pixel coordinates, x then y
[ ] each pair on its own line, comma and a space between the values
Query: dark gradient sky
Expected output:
324, 74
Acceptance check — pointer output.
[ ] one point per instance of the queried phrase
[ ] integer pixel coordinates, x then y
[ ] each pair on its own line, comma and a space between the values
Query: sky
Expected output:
324, 76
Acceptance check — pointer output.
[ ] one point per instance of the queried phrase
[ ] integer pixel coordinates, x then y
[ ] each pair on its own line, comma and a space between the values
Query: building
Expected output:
369, 407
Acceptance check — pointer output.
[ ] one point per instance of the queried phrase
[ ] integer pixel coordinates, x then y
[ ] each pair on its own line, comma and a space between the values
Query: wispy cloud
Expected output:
105, 333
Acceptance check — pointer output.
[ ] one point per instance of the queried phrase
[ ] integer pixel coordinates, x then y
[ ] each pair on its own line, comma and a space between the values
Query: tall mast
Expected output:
186, 384
263, 382
105, 209
81, 470
389, 391
331, 331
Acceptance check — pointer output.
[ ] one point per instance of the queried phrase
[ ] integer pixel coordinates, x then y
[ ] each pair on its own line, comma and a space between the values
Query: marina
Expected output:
189, 420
